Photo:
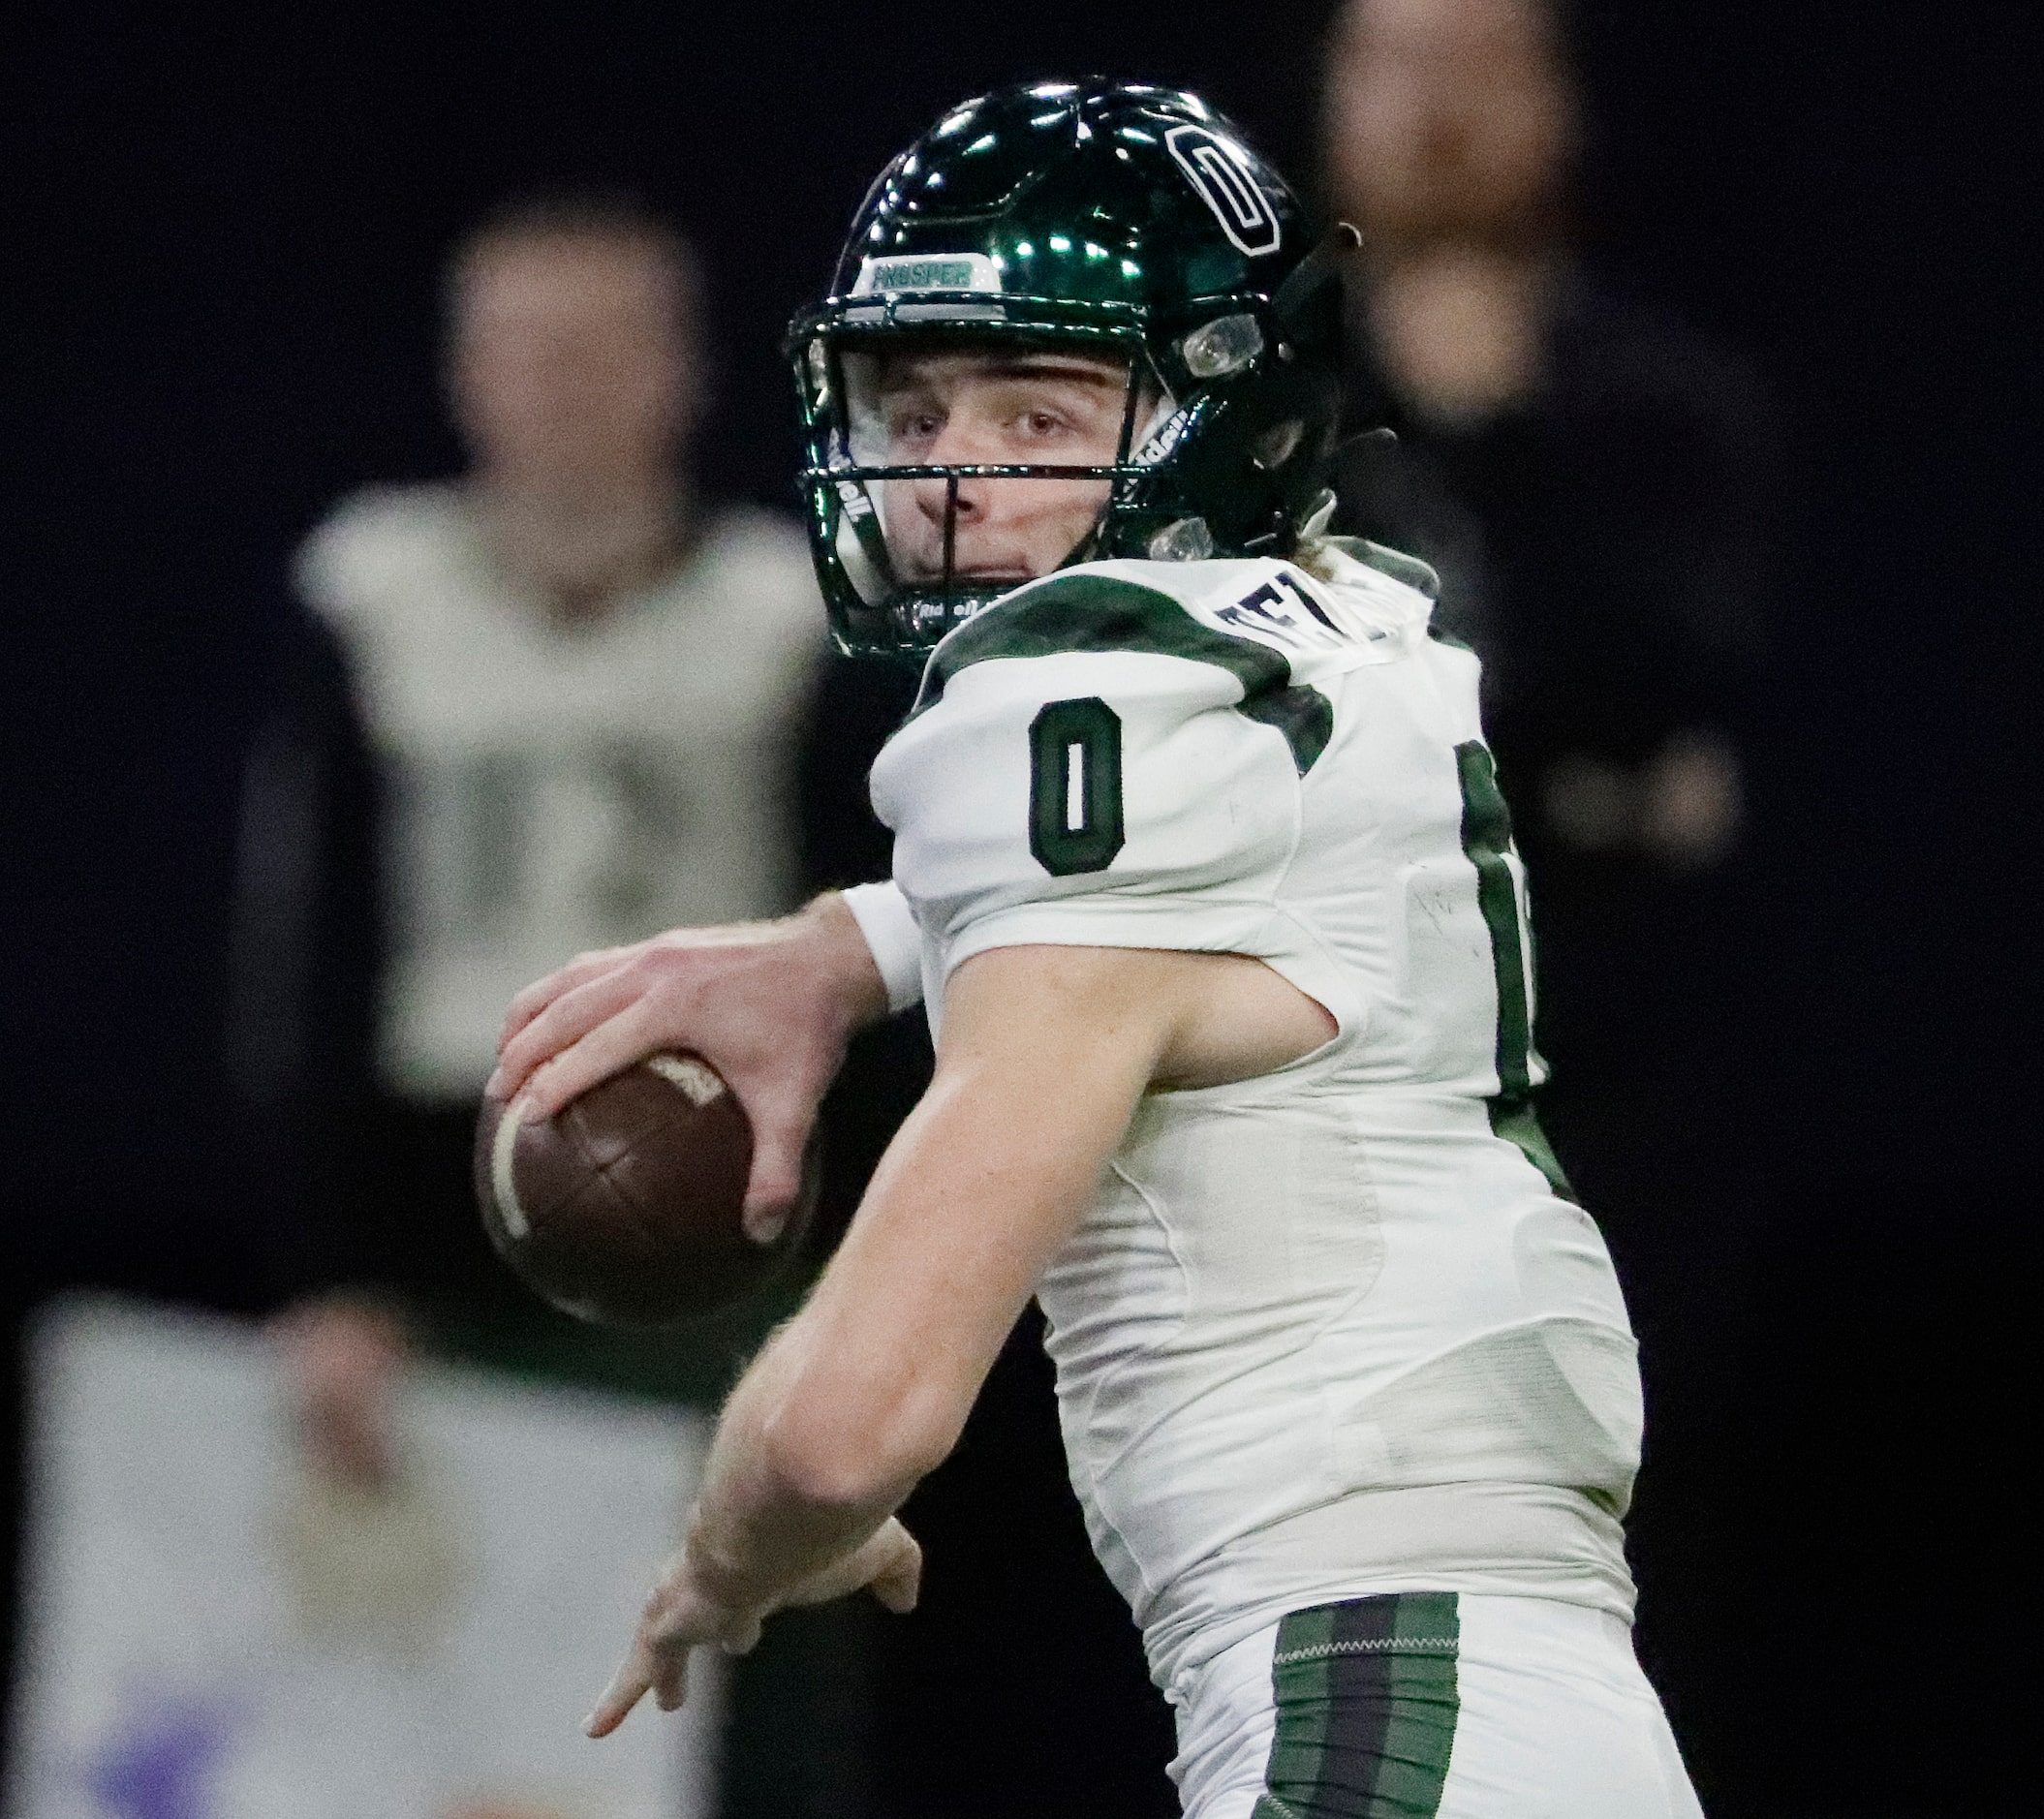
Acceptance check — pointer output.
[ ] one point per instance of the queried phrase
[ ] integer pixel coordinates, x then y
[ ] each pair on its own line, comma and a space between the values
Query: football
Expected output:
625, 1209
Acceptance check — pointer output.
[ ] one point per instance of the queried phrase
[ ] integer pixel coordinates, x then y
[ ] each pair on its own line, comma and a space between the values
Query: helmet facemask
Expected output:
950, 468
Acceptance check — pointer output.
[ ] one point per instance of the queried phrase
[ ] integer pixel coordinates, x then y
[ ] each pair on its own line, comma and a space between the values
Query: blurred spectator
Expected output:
1595, 484
584, 693
583, 686
304, 952
1592, 478
342, 1357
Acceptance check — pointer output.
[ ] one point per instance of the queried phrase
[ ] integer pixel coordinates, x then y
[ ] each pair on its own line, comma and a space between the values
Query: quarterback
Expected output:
1202, 873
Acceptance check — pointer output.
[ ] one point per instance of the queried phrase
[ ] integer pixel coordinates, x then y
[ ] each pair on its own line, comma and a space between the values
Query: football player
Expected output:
1203, 876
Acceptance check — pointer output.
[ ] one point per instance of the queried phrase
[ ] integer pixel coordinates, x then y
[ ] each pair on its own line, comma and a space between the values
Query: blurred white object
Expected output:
213, 1633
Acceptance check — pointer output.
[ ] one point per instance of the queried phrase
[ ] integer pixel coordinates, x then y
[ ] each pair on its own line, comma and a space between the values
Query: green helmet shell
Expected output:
1122, 217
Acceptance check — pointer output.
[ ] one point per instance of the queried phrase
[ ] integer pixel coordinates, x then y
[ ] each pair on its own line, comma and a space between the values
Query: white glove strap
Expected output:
889, 924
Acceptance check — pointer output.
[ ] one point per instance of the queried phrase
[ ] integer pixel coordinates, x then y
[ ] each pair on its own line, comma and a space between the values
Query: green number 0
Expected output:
1075, 787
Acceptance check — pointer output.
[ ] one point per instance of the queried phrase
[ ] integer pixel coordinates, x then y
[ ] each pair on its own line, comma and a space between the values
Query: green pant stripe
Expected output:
1367, 1703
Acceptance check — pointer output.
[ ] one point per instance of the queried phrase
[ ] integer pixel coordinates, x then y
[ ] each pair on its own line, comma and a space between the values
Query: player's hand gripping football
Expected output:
769, 1004
685, 1611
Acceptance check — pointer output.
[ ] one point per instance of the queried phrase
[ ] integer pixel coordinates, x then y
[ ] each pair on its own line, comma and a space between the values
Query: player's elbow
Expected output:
861, 1458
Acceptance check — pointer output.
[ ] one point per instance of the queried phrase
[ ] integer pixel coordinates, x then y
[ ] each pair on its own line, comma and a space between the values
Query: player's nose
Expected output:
961, 443
934, 497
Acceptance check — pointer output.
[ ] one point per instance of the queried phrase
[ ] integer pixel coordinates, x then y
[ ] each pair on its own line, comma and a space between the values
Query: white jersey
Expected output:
1332, 1331
560, 787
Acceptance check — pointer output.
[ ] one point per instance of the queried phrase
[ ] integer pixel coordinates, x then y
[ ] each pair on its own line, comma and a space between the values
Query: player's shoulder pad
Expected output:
1271, 626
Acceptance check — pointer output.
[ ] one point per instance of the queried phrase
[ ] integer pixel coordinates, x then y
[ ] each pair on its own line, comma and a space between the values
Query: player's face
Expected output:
1445, 116
573, 357
991, 408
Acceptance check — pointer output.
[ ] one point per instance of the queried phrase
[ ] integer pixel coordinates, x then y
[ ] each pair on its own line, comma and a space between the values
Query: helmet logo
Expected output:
1217, 170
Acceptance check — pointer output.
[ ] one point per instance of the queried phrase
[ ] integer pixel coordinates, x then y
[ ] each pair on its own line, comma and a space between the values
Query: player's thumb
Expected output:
898, 1584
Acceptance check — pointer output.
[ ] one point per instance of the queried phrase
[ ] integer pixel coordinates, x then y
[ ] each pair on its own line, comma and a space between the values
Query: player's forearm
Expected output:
868, 1389
766, 1522
825, 1438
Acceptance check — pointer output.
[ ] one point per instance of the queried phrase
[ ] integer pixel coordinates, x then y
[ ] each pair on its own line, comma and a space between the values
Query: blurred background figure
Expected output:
580, 691
584, 683
341, 1358
1596, 484
241, 1603
1594, 480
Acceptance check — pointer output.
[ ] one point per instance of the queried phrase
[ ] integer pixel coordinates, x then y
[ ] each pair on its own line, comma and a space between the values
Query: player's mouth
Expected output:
978, 574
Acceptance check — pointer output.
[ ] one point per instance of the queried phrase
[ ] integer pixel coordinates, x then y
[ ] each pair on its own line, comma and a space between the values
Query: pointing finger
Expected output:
631, 1683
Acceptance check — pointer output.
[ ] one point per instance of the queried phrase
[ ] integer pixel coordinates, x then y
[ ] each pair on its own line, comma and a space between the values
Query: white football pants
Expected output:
1430, 1705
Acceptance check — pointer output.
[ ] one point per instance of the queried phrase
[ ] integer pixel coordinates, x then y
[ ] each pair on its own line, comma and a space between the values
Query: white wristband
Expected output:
889, 924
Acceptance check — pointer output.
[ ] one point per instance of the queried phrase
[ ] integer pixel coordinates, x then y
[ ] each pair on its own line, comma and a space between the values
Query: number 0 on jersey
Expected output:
1075, 787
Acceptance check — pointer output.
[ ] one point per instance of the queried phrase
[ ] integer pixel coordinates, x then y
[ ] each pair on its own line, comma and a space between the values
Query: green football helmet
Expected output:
1094, 217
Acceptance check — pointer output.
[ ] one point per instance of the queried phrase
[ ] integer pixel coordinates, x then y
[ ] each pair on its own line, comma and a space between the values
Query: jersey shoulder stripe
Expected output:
1077, 611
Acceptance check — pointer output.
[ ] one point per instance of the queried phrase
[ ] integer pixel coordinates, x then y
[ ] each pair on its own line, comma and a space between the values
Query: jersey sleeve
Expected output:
1094, 764
888, 925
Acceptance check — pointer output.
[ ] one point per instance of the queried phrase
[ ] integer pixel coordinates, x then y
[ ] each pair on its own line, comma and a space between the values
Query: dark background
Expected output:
223, 250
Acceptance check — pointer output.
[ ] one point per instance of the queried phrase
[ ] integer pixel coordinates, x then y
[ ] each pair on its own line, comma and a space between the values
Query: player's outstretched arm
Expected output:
1044, 1054
769, 1004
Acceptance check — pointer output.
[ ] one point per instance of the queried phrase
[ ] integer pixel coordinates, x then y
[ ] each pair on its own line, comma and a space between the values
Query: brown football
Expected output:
625, 1209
